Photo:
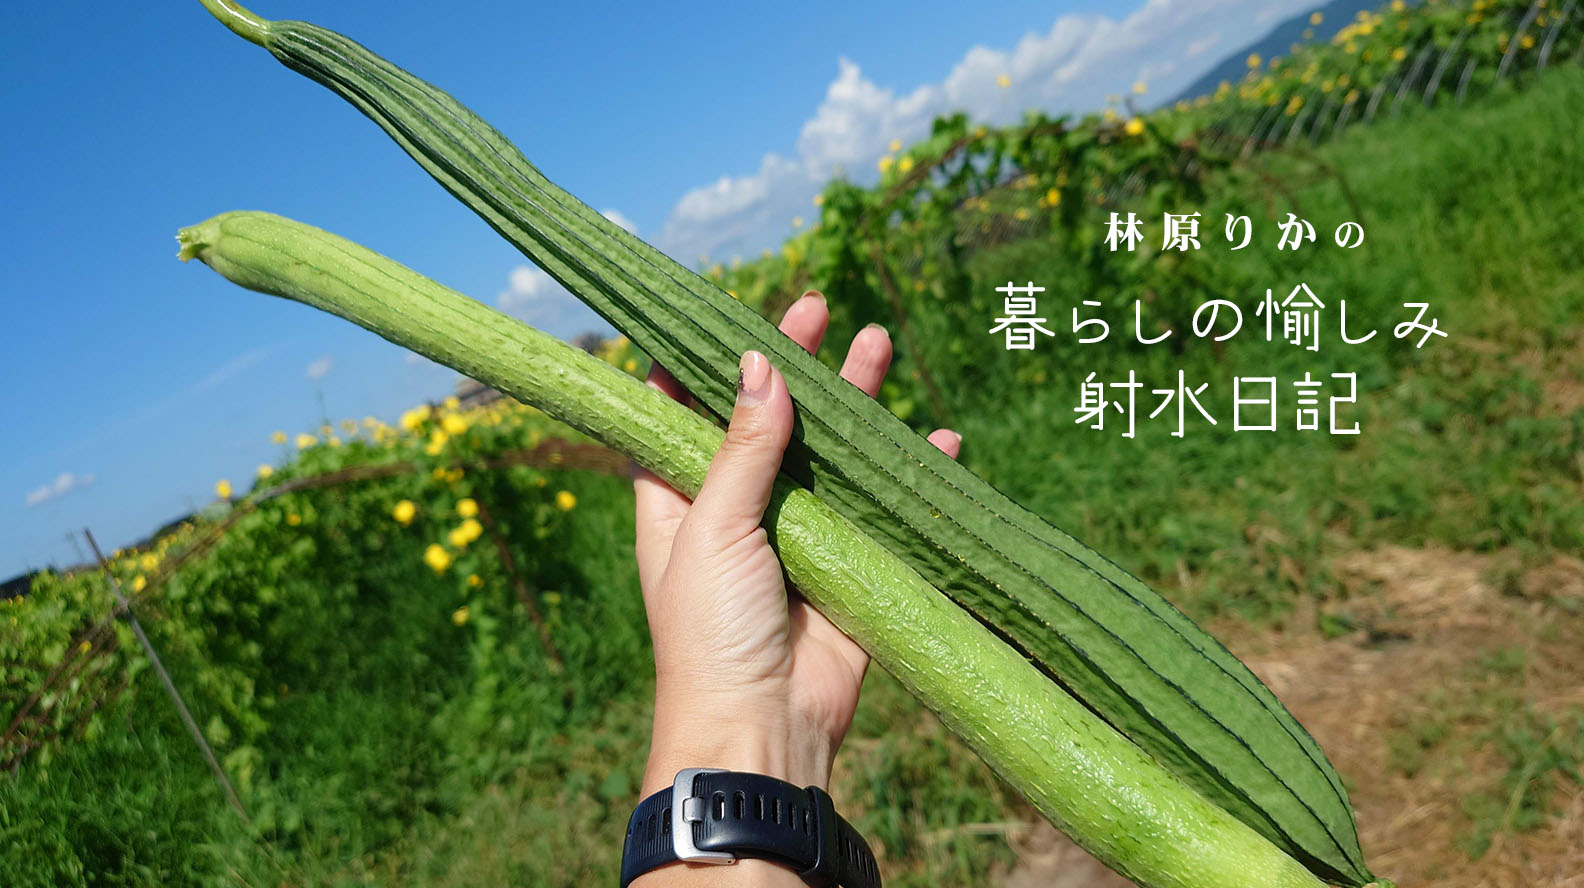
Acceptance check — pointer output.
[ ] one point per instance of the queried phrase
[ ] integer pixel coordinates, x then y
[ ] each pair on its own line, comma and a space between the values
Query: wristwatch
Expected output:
713, 816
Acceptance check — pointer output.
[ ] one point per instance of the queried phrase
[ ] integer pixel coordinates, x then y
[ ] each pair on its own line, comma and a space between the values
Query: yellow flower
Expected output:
1316, 18
797, 221
265, 471
413, 419
1139, 88
1003, 81
1021, 214
349, 426
460, 615
139, 583
223, 489
565, 500
305, 441
404, 512
1254, 60
475, 580
1109, 115
333, 441
467, 507
437, 558
86, 646
458, 537
437, 440
630, 364
885, 163
149, 561
1133, 127
1052, 197
453, 424
293, 519
471, 529
452, 476
905, 165
819, 201
278, 438
895, 146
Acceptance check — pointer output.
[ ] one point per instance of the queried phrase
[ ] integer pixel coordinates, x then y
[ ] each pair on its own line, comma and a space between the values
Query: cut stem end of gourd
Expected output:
195, 238
239, 19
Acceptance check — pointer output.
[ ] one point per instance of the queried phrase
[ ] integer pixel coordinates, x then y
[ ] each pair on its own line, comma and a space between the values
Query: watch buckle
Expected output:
686, 810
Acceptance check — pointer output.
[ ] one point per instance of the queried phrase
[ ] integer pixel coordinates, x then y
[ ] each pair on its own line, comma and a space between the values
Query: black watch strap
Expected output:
724, 815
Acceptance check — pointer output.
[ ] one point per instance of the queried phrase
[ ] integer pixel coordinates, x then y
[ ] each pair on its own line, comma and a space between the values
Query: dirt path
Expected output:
1450, 653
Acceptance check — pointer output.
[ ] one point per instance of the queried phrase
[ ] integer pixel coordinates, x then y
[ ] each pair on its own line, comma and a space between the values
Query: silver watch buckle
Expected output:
686, 810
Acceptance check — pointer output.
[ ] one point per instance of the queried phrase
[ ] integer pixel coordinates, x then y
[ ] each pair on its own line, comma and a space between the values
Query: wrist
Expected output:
695, 732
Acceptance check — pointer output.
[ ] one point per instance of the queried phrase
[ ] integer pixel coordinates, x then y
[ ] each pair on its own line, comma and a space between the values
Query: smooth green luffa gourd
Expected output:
1105, 635
1085, 777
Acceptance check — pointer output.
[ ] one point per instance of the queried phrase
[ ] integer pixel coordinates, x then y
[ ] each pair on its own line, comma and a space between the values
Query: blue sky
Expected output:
133, 381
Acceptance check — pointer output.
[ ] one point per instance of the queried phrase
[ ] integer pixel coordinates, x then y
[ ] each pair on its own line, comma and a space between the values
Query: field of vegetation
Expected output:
418, 649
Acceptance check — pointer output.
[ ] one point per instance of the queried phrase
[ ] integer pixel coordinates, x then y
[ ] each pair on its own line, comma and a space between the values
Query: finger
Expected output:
658, 511
949, 442
868, 358
737, 487
658, 507
661, 379
806, 320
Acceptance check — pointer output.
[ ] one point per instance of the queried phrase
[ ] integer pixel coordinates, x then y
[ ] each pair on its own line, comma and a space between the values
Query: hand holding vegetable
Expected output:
749, 677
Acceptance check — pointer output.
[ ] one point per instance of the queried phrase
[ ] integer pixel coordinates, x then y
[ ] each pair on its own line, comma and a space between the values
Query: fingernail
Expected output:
753, 379
883, 331
813, 294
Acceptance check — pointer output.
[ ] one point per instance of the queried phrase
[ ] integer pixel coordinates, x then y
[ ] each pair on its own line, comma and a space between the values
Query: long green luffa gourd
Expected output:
1088, 779
1101, 632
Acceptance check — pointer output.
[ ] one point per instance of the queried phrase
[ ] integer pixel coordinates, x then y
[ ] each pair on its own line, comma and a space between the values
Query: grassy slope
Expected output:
1470, 442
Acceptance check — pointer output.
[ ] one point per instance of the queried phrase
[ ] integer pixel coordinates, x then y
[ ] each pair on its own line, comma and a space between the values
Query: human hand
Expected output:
747, 676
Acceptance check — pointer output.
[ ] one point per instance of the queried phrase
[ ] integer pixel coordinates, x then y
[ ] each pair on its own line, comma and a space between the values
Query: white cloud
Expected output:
536, 298
1202, 45
320, 368
63, 484
1070, 67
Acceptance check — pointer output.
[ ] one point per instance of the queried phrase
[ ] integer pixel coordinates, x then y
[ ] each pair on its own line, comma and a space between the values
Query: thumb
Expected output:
736, 490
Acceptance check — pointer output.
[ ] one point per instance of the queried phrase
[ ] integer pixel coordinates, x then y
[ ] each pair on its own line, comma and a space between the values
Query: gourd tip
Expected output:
239, 19
192, 240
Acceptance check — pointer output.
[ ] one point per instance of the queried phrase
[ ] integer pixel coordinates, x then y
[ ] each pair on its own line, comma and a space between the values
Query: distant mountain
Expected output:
1333, 16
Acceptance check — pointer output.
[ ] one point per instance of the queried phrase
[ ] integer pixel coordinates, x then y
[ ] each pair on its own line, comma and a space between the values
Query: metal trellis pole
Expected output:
170, 686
